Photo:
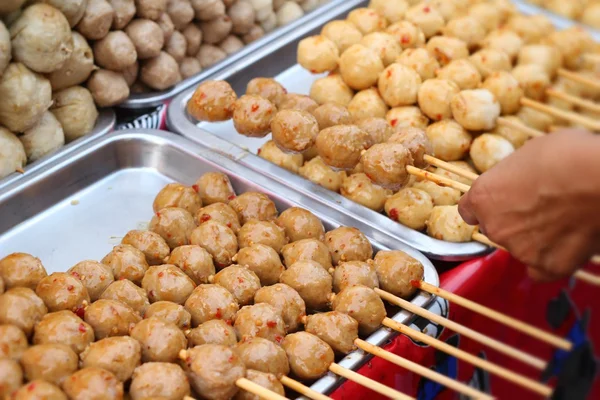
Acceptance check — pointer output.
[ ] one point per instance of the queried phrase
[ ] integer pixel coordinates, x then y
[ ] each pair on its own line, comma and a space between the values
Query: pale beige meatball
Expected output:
126, 262
177, 195
219, 212
488, 14
348, 244
311, 281
214, 187
252, 115
529, 30
239, 281
571, 42
447, 49
299, 102
489, 149
167, 283
411, 207
435, 96
343, 33
400, 118
591, 15
460, 164
11, 377
127, 293
341, 146
488, 61
364, 305
299, 224
533, 79
254, 205
318, 54
119, 355
215, 331
385, 164
64, 327
384, 44
218, 239
77, 69
378, 129
547, 57
195, 261
367, 20
399, 85
420, 60
462, 72
504, 40
49, 362
294, 131
171, 312
21, 270
270, 152
174, 225
476, 110
38, 389
360, 67
331, 114
212, 101
367, 103
336, 329
320, 173
331, 89
506, 89
21, 307
13, 342
427, 18
450, 141
441, 196
159, 380
354, 273
515, 136
267, 88
445, 223
93, 383
407, 34
467, 28
211, 302
154, 247
260, 320
392, 10
287, 301
416, 142
160, 340
62, 291
309, 356
267, 381
262, 260
396, 270
360, 189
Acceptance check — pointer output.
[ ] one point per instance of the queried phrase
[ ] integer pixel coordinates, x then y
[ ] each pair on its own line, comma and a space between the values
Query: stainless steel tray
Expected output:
153, 99
81, 205
105, 123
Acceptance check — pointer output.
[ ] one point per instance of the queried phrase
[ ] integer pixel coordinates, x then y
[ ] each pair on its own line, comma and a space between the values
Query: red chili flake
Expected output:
258, 151
278, 338
151, 293
389, 73
205, 217
79, 311
161, 274
158, 214
255, 107
82, 328
405, 39
229, 224
426, 9
394, 214
415, 283
394, 122
202, 95
314, 71
231, 359
438, 117
271, 324
229, 322
231, 197
169, 235
218, 314
76, 275
31, 387
70, 288
240, 280
196, 188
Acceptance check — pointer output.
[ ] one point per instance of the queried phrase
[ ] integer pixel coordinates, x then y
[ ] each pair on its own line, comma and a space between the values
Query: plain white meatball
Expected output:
392, 10
343, 33
407, 34
488, 61
468, 29
399, 85
318, 54
504, 40
446, 49
449, 140
547, 57
421, 61
360, 67
331, 89
435, 96
533, 79
506, 90
367, 103
488, 150
384, 44
406, 117
427, 18
445, 223
12, 153
411, 207
461, 72
476, 110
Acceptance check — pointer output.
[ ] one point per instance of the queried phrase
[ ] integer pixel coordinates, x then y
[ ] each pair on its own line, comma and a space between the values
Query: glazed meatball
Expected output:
406, 117
420, 60
367, 103
488, 61
174, 225
39, 389
299, 224
504, 40
212, 101
167, 283
64, 327
320, 173
396, 270
341, 146
126, 262
445, 223
218, 240
331, 114
11, 377
154, 247
195, 261
311, 281
263, 261
160, 340
434, 98
158, 380
177, 195
215, 331
489, 149
533, 79
506, 89
298, 102
110, 318
336, 329
268, 381
449, 140
13, 342
62, 291
50, 362
286, 300
307, 250
364, 305
377, 128
360, 67
211, 302
262, 232
416, 142
119, 355
467, 28
262, 355
239, 281
270, 152
441, 196
385, 164
360, 189
260, 320
462, 72
21, 307
309, 356
318, 54
254, 205
219, 212
384, 44
354, 273
266, 88
411, 207
95, 276
348, 244
21, 270
294, 131
171, 312
476, 109
399, 85
343, 33
214, 187
407, 34
252, 115
331, 89
93, 383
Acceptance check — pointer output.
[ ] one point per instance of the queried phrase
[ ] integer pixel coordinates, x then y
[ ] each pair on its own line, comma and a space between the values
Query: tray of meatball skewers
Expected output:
194, 250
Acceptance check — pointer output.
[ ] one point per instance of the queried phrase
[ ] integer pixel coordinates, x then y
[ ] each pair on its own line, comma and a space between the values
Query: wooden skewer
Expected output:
368, 383
558, 113
421, 370
514, 323
302, 389
486, 365
440, 180
573, 76
450, 167
578, 101
258, 390
501, 121
595, 260
592, 57
517, 354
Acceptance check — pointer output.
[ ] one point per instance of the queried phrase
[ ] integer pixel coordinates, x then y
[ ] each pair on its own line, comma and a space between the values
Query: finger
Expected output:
541, 276
467, 211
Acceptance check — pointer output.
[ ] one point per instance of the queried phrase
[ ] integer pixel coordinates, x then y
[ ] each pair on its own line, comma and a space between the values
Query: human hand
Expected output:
541, 203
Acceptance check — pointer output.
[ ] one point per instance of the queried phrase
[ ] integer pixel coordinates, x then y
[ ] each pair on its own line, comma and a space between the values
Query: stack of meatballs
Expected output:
217, 289
585, 11
407, 79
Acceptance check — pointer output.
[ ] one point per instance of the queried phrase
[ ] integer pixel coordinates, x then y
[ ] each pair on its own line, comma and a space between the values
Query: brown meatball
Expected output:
268, 381
157, 380
214, 187
218, 240
39, 389
267, 88
385, 164
260, 320
215, 331
212, 101
175, 225
254, 205
262, 232
13, 342
286, 300
211, 302
311, 281
331, 114
263, 355
334, 328
396, 270
294, 131
22, 308
219, 212
128, 293
364, 305
309, 356
301, 224
167, 283
177, 195
119, 355
299, 102
416, 142
240, 281
93, 384
348, 244
49, 362
161, 340
378, 129
21, 270
354, 273
307, 249
263, 260
154, 247
95, 276
170, 312
195, 261
11, 377
341, 146
111, 318
64, 327
126, 262
213, 370
252, 115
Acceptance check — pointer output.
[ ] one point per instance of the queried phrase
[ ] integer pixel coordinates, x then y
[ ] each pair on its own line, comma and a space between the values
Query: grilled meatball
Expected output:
213, 370
294, 131
331, 114
341, 146
385, 164
214, 187
360, 67
50, 362
218, 240
488, 150
311, 281
320, 173
215, 331
396, 270
22, 308
95, 276
406, 117
119, 355
411, 207
488, 61
506, 90
174, 225
161, 340
167, 283
39, 389
128, 293
11, 377
268, 381
331, 89
254, 205
64, 327
450, 141
252, 115
93, 384
416, 142
13, 342
211, 302
110, 318
445, 223
263, 260
367, 103
298, 102
309, 356
260, 320
127, 262
239, 281
267, 88
154, 247
21, 270
212, 101
299, 224
354, 273
177, 195
378, 129
155, 380
270, 152
262, 355
171, 312
286, 300
262, 232
360, 189
195, 261
364, 305
336, 329
461, 72
348, 244
219, 212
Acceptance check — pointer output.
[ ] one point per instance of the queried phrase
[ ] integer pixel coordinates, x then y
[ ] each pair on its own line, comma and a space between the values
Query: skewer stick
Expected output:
450, 167
486, 365
258, 390
421, 370
514, 323
558, 113
592, 57
368, 383
578, 101
302, 389
573, 76
440, 180
595, 260
501, 121
515, 353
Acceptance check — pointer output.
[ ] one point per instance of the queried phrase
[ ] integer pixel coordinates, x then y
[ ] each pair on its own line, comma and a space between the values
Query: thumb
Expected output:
467, 211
